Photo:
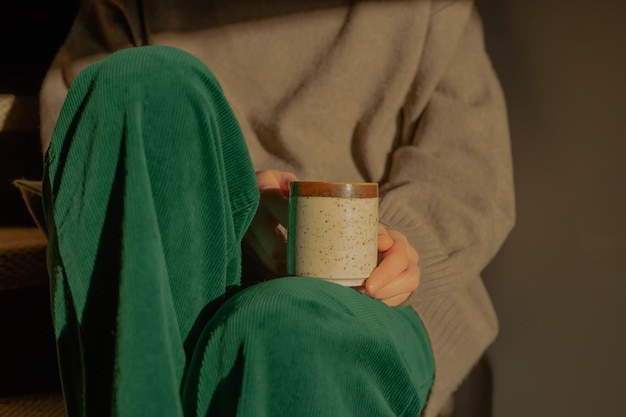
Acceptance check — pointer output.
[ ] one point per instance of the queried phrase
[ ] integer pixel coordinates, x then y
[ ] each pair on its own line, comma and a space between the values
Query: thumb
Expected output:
274, 179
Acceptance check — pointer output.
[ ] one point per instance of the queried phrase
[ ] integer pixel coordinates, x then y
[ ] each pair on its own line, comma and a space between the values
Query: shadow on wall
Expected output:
30, 34
559, 282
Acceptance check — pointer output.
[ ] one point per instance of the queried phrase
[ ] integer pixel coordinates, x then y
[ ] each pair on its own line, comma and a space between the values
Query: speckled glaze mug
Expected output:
333, 231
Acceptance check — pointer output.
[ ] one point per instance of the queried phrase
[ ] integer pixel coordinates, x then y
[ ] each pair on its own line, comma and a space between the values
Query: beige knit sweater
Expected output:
397, 92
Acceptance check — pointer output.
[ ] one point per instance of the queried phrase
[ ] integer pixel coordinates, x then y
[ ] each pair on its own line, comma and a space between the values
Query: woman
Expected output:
161, 155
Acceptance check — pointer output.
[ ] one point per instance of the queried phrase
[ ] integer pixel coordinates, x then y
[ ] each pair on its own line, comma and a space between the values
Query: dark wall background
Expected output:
30, 34
559, 283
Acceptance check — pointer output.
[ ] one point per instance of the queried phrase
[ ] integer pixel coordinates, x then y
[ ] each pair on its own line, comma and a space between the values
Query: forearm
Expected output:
450, 188
450, 191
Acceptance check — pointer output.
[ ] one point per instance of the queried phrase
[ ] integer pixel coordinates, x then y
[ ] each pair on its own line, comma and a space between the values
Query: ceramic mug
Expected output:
333, 231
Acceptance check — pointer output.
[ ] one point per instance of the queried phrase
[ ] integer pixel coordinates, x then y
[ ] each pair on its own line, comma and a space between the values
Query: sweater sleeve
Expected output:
100, 27
450, 191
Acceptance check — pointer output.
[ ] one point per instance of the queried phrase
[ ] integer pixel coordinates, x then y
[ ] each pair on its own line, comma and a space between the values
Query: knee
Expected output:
298, 320
284, 299
295, 311
155, 66
159, 93
161, 83
275, 307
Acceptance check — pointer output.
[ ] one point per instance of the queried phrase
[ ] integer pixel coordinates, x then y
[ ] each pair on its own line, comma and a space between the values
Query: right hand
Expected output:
265, 239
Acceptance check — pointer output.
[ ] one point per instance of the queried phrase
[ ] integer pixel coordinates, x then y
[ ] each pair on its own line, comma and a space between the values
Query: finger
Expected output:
394, 262
281, 232
412, 255
267, 179
267, 246
385, 241
360, 288
285, 182
407, 282
275, 205
397, 300
390, 301
274, 179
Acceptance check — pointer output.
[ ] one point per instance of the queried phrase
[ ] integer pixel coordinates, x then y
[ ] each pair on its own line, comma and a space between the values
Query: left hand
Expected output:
398, 273
264, 240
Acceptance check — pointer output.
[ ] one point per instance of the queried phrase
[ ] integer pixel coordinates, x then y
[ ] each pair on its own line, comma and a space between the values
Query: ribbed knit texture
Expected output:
148, 190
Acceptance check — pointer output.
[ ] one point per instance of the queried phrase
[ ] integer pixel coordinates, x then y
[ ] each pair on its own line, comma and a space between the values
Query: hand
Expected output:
398, 273
265, 240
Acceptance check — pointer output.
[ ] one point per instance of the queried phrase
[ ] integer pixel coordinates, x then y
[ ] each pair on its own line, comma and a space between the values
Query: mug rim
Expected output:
341, 189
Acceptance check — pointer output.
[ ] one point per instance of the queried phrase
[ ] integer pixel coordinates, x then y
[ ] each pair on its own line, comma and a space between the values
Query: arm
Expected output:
450, 188
450, 191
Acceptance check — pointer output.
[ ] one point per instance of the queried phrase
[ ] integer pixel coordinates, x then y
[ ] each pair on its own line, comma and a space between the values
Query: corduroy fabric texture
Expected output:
148, 190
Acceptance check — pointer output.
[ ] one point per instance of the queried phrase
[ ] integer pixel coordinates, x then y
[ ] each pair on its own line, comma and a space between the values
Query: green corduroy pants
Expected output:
148, 191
